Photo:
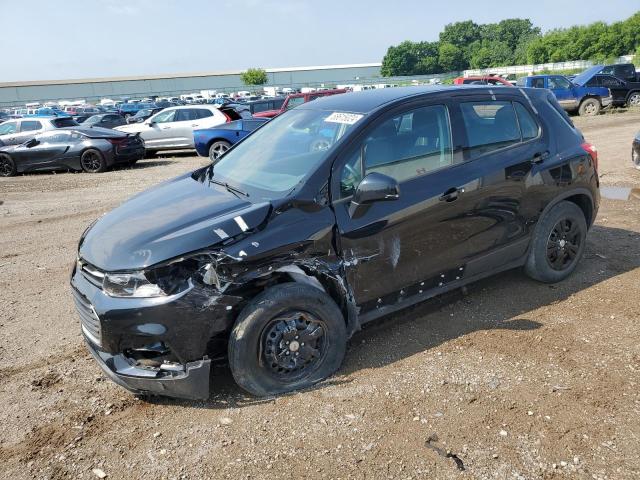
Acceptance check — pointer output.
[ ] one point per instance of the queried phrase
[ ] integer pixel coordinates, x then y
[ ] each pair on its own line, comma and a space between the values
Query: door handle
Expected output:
540, 157
165, 128
451, 195
194, 124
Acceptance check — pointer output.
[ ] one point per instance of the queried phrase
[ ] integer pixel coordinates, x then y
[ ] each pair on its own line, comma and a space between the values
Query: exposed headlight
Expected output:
135, 285
161, 281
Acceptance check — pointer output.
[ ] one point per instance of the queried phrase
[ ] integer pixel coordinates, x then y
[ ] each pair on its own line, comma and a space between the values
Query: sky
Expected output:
63, 39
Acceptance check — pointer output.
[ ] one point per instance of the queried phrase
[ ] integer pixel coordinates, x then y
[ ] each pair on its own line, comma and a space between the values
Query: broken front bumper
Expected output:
191, 383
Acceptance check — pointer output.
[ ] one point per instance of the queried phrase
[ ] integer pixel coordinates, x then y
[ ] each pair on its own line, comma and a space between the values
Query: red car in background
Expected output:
482, 80
296, 99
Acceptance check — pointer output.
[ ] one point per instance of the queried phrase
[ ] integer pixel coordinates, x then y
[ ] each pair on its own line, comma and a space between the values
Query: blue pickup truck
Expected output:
585, 100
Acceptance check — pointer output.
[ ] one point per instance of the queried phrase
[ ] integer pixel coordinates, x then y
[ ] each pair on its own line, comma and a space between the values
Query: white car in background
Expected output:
172, 128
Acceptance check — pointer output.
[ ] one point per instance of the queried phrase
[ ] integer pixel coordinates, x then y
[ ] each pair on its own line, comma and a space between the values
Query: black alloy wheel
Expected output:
563, 244
92, 161
7, 167
293, 344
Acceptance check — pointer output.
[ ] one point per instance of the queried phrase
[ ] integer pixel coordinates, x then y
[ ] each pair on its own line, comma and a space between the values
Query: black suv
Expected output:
331, 215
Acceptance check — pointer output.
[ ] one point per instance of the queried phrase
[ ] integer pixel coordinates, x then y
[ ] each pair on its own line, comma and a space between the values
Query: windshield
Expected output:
280, 155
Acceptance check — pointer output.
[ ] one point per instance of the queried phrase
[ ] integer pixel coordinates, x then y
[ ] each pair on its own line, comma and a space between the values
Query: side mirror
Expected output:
375, 187
31, 143
151, 123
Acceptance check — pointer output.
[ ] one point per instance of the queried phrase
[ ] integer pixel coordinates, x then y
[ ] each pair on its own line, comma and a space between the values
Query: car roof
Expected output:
367, 101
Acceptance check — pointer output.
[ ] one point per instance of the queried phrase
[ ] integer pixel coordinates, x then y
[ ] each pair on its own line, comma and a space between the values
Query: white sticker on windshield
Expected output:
341, 117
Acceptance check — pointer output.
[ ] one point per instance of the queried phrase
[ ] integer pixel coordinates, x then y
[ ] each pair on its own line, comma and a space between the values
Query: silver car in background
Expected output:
172, 128
15, 132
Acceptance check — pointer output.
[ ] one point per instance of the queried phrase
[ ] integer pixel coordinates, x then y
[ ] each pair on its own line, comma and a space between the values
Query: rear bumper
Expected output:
191, 383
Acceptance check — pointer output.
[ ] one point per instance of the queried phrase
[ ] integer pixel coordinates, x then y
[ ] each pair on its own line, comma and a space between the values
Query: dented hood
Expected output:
177, 217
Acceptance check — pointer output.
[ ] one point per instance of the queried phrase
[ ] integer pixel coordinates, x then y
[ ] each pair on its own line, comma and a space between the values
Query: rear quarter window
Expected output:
64, 122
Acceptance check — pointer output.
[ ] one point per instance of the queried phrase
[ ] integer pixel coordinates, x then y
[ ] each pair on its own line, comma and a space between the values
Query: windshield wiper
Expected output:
232, 189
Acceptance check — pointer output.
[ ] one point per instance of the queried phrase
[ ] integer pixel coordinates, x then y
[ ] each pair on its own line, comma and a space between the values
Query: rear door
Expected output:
563, 91
182, 128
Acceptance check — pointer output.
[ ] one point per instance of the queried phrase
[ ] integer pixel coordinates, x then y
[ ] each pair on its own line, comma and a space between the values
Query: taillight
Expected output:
592, 151
227, 117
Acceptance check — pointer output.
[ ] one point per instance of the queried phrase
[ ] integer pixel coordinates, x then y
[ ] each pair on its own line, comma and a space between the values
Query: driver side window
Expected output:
164, 117
404, 147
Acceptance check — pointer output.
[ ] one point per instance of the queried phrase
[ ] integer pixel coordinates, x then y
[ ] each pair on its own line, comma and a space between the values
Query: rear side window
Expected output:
30, 126
494, 125
204, 113
528, 126
186, 114
64, 122
294, 102
537, 83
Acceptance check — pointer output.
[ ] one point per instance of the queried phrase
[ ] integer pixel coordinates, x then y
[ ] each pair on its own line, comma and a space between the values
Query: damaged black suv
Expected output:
333, 214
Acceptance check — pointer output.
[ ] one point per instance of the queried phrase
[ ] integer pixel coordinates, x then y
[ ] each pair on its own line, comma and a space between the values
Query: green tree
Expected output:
461, 34
411, 58
451, 58
254, 76
491, 54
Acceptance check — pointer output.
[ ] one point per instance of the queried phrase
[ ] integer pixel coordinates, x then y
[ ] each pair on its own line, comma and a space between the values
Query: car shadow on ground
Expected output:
444, 318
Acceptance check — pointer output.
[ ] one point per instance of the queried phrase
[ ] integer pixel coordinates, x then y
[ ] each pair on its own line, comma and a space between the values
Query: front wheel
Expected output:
289, 337
92, 161
589, 107
634, 99
558, 243
217, 149
7, 166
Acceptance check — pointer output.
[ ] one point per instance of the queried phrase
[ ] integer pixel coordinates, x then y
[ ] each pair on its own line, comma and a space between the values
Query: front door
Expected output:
563, 91
398, 246
156, 130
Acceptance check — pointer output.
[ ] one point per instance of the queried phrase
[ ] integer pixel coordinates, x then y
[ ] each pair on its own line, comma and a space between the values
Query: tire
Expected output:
275, 322
558, 243
590, 107
217, 149
635, 158
634, 99
92, 161
132, 163
150, 153
7, 166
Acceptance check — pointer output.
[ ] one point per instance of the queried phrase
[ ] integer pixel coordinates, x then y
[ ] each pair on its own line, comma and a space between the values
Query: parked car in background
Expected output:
623, 71
587, 101
173, 127
49, 112
4, 116
274, 254
143, 114
483, 80
214, 142
13, 132
623, 92
635, 151
130, 109
105, 120
265, 105
90, 149
296, 99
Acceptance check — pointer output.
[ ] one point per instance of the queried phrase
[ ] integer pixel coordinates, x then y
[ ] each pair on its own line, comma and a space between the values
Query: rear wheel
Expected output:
92, 161
7, 166
589, 107
634, 99
289, 337
217, 149
558, 243
635, 157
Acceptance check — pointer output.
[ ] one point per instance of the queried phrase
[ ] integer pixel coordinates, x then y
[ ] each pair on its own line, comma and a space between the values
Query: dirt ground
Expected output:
515, 379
